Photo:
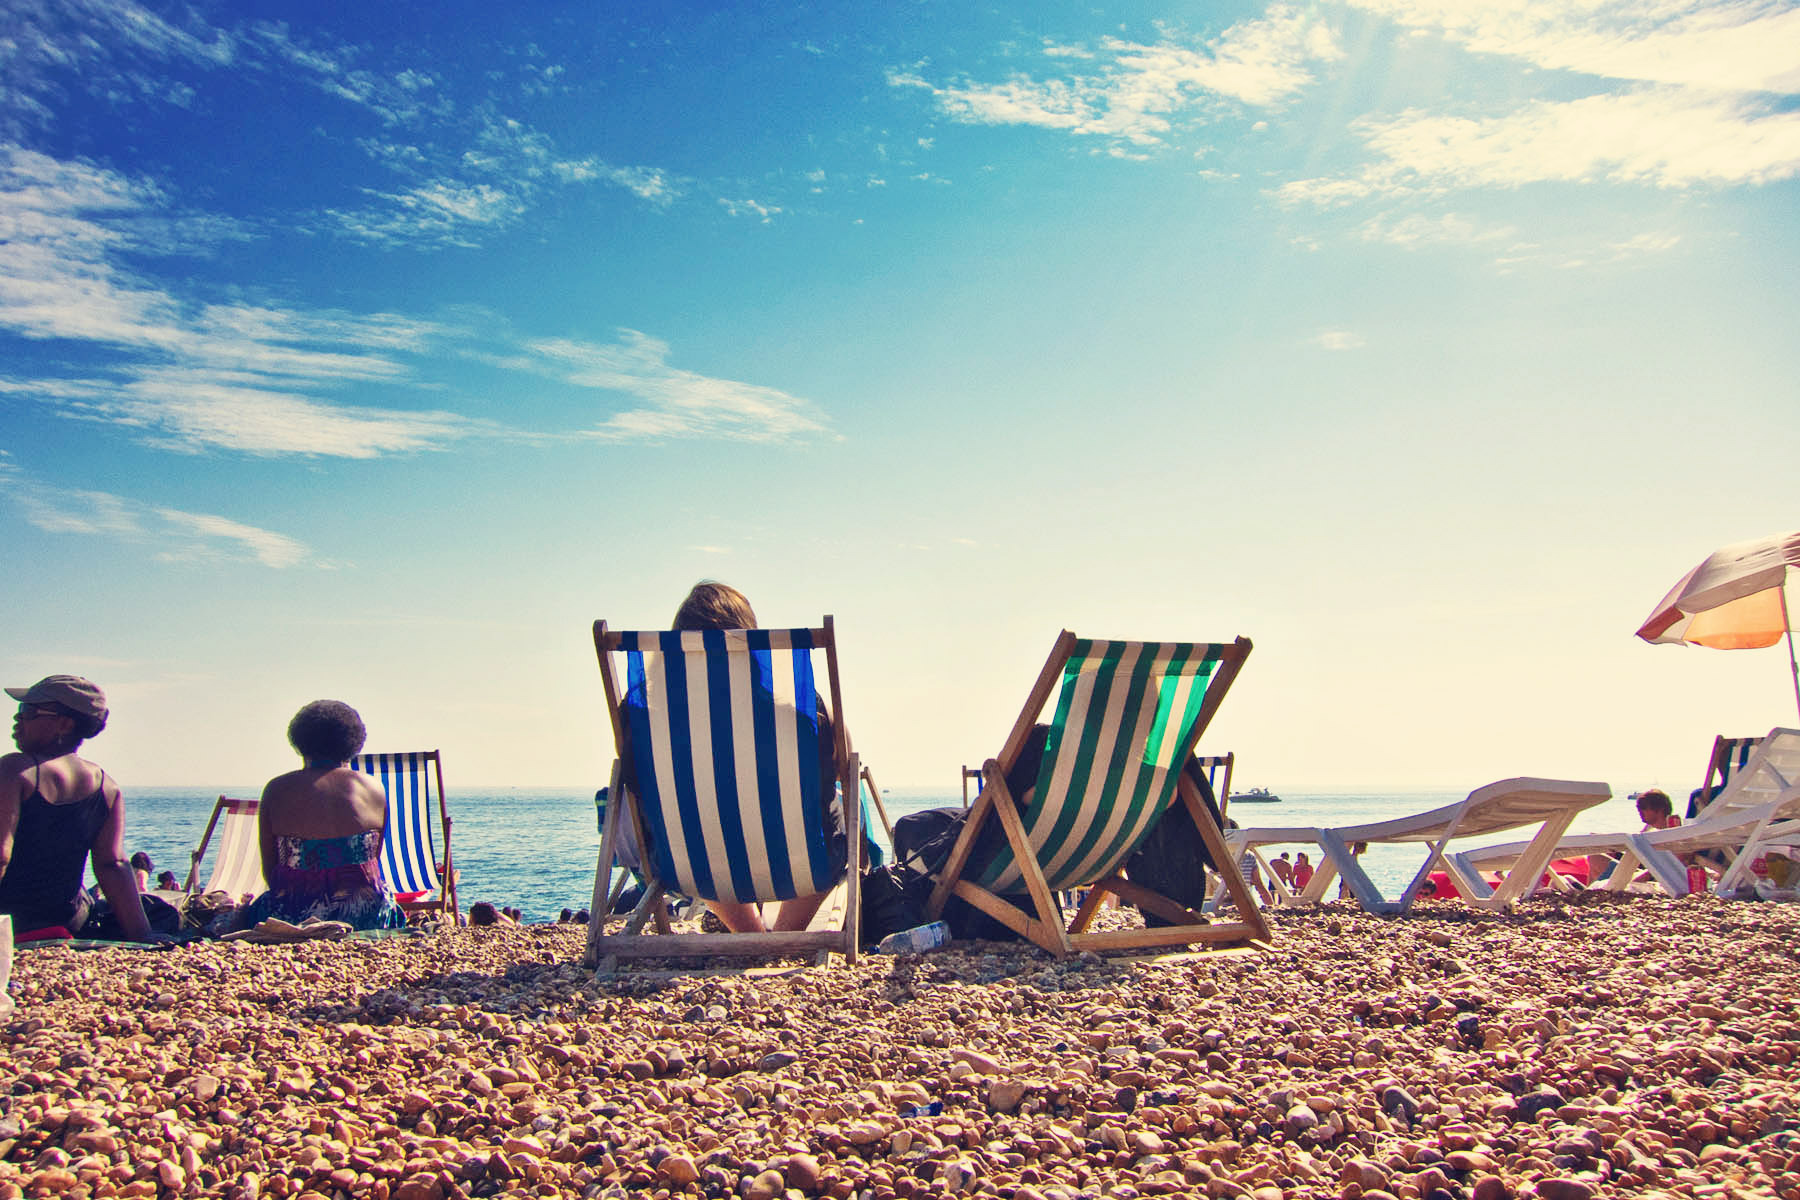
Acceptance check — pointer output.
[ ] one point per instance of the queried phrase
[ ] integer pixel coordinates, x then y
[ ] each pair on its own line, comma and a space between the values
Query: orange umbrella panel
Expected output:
1748, 623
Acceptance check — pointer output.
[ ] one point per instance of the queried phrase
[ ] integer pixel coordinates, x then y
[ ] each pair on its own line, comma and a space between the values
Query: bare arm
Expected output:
112, 870
10, 794
265, 839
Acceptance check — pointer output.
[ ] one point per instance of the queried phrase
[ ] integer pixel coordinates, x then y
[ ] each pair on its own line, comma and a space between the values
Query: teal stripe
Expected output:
1133, 783
1101, 795
1153, 785
1100, 671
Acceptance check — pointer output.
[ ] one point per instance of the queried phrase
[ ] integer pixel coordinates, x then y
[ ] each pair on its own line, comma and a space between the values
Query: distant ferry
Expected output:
1257, 795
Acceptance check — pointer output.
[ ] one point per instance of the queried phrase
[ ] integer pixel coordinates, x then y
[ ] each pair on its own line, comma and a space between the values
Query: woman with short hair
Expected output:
321, 829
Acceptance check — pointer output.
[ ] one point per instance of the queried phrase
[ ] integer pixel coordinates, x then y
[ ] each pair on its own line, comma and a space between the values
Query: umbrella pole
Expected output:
1792, 661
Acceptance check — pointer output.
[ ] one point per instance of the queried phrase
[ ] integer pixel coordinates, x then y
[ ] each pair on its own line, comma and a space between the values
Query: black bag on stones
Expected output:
899, 892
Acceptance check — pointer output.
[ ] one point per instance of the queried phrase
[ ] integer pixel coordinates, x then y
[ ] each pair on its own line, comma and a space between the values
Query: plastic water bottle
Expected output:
916, 940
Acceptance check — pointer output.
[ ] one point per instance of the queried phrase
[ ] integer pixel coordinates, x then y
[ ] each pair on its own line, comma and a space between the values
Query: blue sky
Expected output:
372, 351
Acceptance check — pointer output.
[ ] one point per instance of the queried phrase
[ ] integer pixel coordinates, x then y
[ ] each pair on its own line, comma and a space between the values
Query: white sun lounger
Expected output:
1551, 804
1742, 813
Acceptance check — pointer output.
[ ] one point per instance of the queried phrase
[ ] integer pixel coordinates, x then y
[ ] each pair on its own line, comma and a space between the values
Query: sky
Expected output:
374, 351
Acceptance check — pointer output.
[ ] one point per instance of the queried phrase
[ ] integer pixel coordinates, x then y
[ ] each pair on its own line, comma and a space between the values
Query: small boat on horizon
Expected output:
1255, 795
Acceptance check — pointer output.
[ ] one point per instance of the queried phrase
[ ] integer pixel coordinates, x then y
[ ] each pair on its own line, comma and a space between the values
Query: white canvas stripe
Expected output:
706, 793
662, 763
238, 868
744, 751
1088, 803
1117, 810
1098, 799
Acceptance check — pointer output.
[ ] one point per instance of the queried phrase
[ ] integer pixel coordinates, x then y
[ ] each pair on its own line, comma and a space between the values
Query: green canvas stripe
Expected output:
1154, 784
1127, 792
1103, 795
1090, 679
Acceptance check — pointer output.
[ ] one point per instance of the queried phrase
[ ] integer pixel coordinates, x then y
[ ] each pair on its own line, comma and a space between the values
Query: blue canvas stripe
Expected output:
680, 767
724, 763
733, 733
407, 861
768, 764
815, 791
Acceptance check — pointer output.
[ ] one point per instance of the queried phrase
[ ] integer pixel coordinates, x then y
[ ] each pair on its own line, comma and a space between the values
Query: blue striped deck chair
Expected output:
412, 863
1127, 717
237, 865
719, 761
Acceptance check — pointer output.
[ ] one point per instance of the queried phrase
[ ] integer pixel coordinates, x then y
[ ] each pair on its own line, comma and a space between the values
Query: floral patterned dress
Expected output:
333, 879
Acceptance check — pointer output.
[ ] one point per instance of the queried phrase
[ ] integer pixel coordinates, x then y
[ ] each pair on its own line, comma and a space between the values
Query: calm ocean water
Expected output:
535, 849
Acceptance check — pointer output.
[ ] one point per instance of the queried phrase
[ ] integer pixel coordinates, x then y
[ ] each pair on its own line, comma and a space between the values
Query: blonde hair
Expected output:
714, 605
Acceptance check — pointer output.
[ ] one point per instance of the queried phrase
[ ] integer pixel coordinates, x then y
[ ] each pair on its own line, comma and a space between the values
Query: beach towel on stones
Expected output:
1127, 717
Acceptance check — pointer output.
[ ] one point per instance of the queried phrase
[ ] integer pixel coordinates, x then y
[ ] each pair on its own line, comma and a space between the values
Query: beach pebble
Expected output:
766, 1186
803, 1172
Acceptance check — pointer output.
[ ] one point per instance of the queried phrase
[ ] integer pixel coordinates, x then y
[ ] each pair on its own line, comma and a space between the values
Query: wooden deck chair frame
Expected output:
240, 849
421, 769
604, 950
1044, 925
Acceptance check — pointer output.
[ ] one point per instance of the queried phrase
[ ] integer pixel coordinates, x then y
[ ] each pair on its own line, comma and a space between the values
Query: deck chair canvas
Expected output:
717, 734
1127, 717
413, 863
237, 864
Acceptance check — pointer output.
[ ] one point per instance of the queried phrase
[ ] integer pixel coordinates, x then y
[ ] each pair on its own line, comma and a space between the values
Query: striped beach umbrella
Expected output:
1734, 600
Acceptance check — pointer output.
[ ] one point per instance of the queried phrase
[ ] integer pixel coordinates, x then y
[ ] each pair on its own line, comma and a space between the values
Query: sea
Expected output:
535, 848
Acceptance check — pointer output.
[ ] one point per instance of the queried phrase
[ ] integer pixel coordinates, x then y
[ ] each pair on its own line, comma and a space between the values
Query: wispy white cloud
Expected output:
1339, 339
1415, 230
1661, 137
1713, 45
236, 376
461, 172
456, 200
171, 534
763, 214
675, 403
1135, 93
1684, 94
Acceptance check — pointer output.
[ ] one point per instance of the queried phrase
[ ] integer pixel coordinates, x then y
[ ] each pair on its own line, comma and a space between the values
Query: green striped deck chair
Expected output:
419, 873
1127, 717
720, 764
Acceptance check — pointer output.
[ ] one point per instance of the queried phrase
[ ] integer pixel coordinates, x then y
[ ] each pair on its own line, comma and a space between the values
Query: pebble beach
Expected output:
1579, 1047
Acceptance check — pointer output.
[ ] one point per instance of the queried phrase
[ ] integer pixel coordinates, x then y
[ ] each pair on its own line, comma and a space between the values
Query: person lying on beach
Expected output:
57, 809
713, 605
321, 828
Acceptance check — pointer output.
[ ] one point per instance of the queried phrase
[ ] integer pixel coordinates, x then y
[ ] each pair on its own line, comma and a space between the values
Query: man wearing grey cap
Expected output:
56, 809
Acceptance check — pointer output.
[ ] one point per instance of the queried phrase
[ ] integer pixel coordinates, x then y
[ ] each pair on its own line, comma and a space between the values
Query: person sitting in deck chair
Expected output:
321, 830
713, 605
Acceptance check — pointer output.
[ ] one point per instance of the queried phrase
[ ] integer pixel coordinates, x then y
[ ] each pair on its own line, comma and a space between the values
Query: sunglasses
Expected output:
29, 711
